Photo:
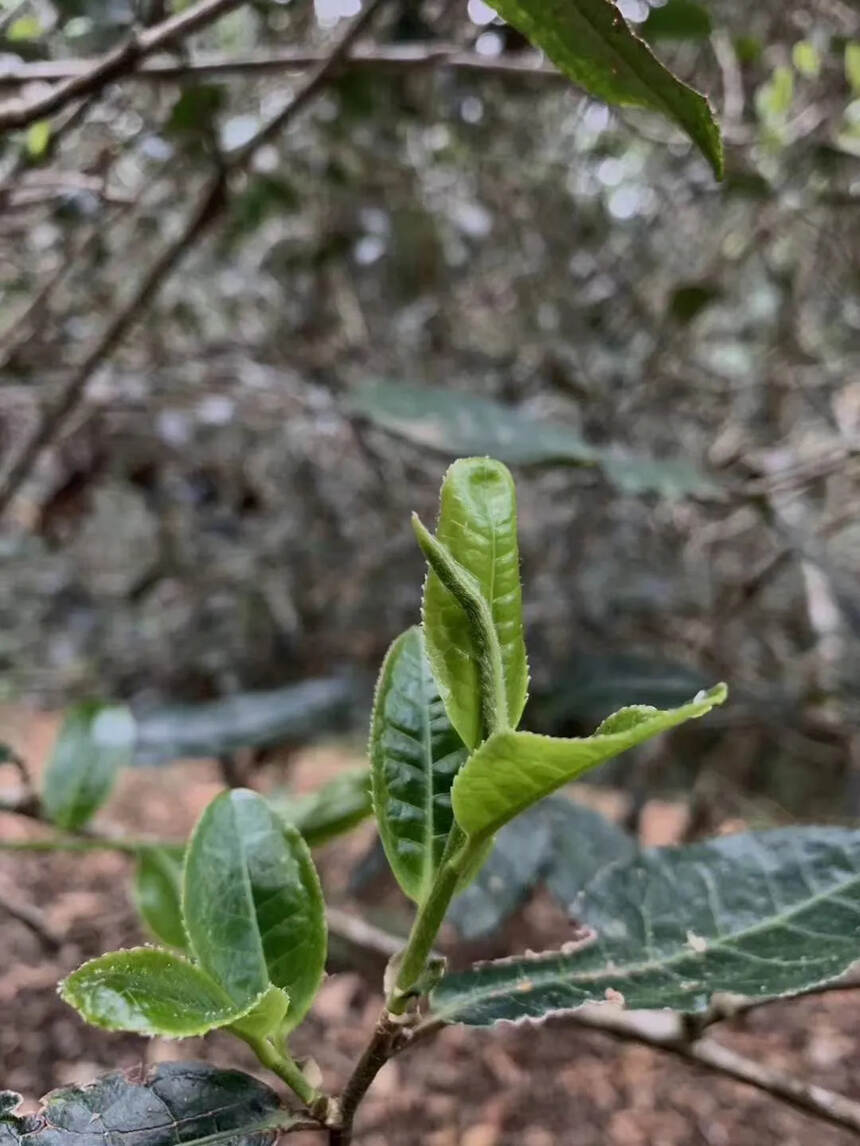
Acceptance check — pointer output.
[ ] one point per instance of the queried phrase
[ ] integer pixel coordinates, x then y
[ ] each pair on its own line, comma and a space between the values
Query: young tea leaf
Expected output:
415, 754
591, 43
175, 1104
158, 893
513, 770
150, 992
478, 527
252, 902
761, 915
95, 741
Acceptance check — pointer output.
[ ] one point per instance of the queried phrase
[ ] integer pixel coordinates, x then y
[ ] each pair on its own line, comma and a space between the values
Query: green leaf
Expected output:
24, 28
252, 902
247, 720
415, 754
175, 1104
150, 992
806, 59
38, 138
852, 65
513, 770
591, 43
761, 915
266, 1018
95, 741
158, 893
774, 98
478, 526
457, 425
331, 810
678, 20
556, 842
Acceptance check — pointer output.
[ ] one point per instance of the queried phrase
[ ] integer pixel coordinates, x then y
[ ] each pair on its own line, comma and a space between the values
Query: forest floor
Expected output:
513, 1086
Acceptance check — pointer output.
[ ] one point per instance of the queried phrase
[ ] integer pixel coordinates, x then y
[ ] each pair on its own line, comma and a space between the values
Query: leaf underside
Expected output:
478, 526
512, 770
415, 755
150, 992
176, 1104
94, 742
761, 915
590, 41
252, 902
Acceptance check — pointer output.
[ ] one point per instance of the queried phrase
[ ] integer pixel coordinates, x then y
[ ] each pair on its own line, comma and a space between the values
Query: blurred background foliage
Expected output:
444, 257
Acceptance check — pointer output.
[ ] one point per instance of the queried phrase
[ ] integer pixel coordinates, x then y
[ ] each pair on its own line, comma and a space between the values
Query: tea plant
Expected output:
696, 931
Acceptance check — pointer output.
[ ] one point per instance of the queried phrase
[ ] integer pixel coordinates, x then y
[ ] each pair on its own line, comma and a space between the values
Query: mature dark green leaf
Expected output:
252, 902
512, 770
591, 43
761, 915
150, 992
331, 810
678, 20
415, 754
247, 720
195, 110
689, 299
158, 893
95, 741
175, 1104
457, 424
556, 842
522, 852
478, 526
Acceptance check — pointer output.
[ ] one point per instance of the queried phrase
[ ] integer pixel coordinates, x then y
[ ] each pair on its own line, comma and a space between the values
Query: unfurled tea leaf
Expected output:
95, 741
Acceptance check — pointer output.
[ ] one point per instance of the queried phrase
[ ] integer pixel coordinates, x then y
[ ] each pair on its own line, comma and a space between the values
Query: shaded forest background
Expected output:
227, 508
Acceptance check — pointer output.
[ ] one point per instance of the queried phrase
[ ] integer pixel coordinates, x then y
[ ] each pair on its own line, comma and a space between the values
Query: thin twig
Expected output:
32, 918
386, 58
209, 205
119, 61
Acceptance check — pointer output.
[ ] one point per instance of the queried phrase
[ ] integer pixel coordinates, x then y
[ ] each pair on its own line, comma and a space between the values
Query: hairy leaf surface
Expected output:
415, 755
252, 902
591, 43
478, 526
158, 893
512, 770
175, 1104
150, 992
761, 915
95, 741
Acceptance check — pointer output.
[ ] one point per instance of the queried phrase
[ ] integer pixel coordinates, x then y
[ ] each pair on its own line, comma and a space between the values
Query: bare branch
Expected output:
18, 113
387, 58
209, 205
33, 919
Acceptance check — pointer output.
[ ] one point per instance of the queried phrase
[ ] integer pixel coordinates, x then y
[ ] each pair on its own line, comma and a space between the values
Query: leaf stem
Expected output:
289, 1071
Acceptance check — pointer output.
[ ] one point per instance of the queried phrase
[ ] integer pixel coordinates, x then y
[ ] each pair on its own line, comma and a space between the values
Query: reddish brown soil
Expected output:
526, 1086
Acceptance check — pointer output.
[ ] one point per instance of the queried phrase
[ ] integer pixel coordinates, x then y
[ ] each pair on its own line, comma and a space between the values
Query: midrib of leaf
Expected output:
614, 971
249, 895
427, 863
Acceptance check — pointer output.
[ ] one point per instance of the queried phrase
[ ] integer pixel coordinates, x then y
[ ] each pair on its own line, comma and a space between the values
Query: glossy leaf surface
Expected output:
158, 893
94, 742
478, 526
334, 808
458, 424
513, 770
590, 41
150, 992
176, 1104
415, 754
761, 915
252, 902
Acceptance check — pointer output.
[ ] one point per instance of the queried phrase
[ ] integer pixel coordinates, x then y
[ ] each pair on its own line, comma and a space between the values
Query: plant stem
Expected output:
288, 1070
